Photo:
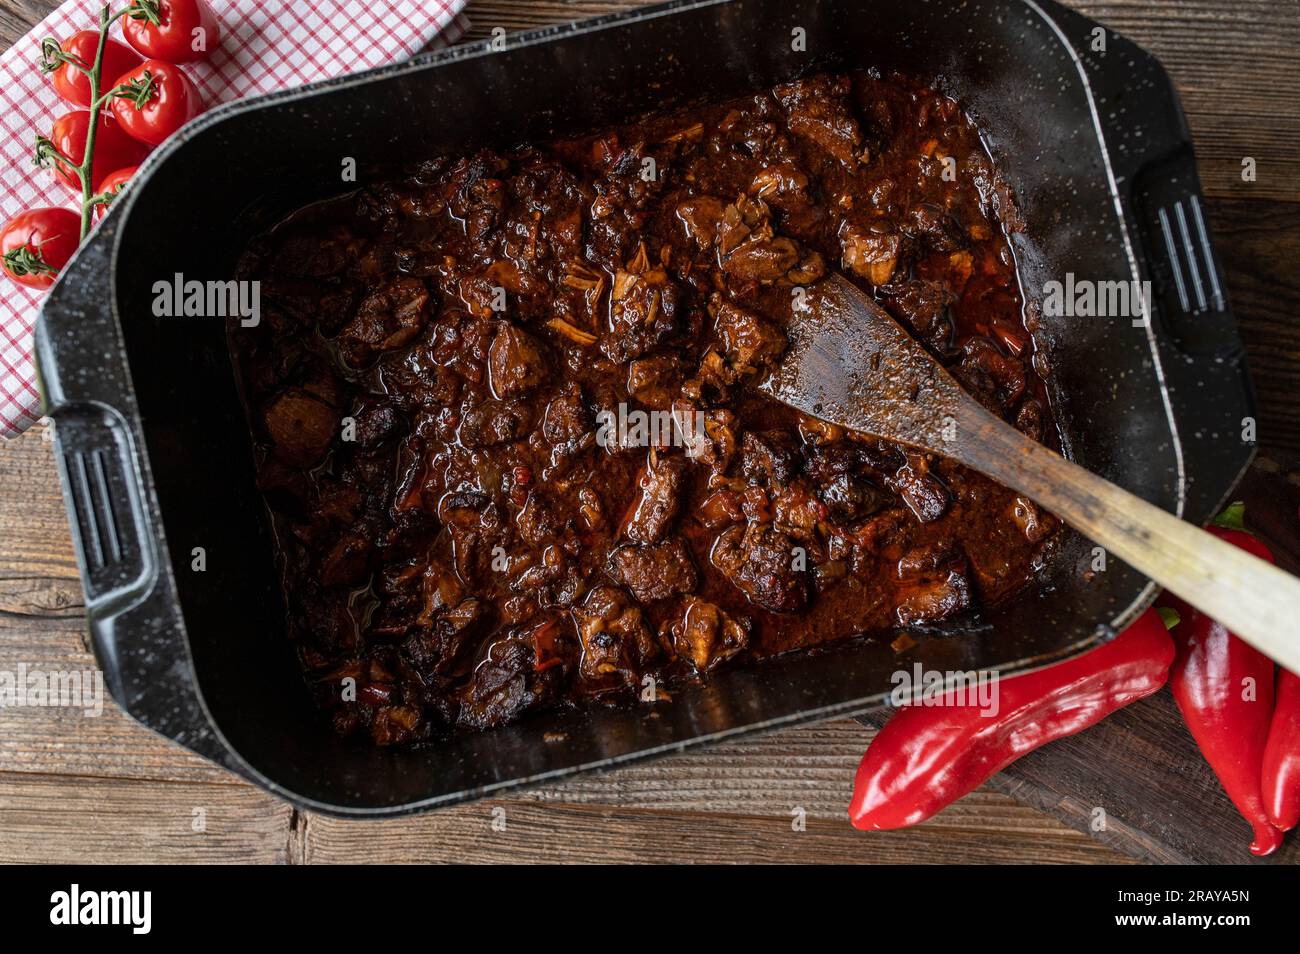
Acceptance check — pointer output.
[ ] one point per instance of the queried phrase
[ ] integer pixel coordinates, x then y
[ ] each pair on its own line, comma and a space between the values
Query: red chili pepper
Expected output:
928, 756
1280, 777
1224, 688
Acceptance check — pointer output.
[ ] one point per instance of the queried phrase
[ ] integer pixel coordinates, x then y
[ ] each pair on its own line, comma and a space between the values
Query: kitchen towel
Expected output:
264, 47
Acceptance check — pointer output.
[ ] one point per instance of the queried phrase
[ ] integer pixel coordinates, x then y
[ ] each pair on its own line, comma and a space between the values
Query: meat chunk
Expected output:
719, 509
749, 249
924, 494
817, 110
301, 426
760, 562
643, 304
932, 589
706, 636
507, 683
796, 512
780, 183
348, 562
870, 250
393, 725
923, 305
935, 228
763, 259
544, 186
996, 380
616, 643
933, 584
742, 220
656, 506
1029, 419
655, 381
376, 422
716, 446
516, 364
435, 647
567, 417
850, 498
656, 571
388, 317
700, 216
1027, 516
536, 521
751, 343
494, 422
475, 194
471, 554
398, 588
769, 457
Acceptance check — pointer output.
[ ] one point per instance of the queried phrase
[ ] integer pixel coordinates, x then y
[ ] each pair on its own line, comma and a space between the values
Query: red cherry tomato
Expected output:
175, 31
74, 85
113, 184
172, 101
114, 149
37, 243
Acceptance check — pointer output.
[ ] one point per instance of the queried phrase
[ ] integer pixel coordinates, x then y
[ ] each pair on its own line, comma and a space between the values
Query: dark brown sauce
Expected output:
457, 546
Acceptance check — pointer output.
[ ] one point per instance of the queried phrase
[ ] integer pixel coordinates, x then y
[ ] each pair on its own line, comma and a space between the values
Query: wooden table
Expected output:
77, 789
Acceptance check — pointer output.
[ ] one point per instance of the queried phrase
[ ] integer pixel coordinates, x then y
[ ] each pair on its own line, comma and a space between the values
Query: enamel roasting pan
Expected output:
154, 448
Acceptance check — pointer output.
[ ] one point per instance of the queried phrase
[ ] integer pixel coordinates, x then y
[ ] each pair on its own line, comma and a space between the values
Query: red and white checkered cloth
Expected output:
264, 47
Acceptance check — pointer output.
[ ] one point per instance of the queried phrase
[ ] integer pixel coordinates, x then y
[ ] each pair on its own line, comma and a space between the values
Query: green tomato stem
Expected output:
84, 171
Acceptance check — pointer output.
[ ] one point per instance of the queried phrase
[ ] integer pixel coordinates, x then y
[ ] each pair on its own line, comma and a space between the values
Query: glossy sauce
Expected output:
427, 388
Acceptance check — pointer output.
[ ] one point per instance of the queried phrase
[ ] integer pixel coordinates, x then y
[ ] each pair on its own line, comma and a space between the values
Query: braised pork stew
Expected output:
506, 427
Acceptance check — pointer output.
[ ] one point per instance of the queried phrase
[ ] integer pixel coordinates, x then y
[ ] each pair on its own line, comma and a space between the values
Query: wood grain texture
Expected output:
590, 833
105, 789
1258, 243
68, 820
1233, 64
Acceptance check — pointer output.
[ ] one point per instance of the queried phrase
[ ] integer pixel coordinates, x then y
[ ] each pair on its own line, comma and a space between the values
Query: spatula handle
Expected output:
1255, 600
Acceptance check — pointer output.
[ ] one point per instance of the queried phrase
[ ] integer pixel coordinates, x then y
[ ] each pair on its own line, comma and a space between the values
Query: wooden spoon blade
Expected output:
849, 362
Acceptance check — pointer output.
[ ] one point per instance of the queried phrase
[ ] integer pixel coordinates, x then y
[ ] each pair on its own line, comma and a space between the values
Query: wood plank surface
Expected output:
59, 819
103, 789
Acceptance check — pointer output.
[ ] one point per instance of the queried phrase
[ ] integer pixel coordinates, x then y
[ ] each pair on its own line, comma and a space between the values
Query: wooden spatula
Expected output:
851, 364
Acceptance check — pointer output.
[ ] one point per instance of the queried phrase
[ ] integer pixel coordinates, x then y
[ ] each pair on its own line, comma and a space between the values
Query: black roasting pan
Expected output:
154, 448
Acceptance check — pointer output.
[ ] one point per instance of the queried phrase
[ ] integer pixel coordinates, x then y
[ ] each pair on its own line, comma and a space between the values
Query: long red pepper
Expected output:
1280, 777
928, 756
1224, 688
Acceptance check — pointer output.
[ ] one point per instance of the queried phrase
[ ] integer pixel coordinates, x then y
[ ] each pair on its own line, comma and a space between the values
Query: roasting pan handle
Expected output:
136, 633
95, 448
1202, 361
1149, 148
